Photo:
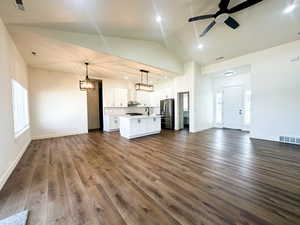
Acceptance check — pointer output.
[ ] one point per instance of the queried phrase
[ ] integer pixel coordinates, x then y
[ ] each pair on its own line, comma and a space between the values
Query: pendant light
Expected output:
144, 86
86, 84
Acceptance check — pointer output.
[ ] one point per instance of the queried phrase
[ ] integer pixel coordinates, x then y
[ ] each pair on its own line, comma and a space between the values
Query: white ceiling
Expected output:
262, 26
60, 56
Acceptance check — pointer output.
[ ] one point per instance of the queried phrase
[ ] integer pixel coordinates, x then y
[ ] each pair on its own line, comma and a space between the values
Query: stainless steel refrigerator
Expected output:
167, 112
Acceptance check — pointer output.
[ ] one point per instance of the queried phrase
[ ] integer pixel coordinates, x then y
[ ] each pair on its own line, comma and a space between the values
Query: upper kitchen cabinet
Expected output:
144, 98
115, 97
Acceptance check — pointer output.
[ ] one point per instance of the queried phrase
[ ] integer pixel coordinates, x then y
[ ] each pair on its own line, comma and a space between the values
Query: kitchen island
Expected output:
139, 126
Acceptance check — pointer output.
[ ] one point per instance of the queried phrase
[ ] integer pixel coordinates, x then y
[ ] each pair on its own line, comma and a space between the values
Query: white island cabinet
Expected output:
139, 126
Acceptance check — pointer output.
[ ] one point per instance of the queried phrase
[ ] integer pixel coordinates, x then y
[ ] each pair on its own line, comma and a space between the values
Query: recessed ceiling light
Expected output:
229, 73
158, 19
289, 8
126, 78
200, 46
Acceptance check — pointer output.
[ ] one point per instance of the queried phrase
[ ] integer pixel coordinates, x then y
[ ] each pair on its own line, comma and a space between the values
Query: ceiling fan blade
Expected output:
243, 5
208, 28
201, 17
20, 5
224, 4
232, 23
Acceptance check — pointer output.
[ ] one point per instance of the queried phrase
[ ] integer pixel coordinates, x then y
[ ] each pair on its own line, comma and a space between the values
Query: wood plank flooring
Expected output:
215, 177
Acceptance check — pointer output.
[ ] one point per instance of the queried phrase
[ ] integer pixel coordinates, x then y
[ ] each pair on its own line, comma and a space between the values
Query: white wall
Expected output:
57, 106
200, 92
13, 66
275, 82
146, 52
241, 78
203, 101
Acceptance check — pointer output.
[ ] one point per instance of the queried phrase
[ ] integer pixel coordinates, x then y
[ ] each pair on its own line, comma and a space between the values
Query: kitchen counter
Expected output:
140, 116
139, 126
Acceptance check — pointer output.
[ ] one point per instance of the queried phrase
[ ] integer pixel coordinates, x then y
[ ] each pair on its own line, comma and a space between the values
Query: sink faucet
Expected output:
147, 109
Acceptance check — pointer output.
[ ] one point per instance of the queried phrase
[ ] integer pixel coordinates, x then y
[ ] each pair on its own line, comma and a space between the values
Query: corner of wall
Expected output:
11, 168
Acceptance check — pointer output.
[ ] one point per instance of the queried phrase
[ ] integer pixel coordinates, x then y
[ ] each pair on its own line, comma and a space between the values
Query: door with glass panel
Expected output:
233, 110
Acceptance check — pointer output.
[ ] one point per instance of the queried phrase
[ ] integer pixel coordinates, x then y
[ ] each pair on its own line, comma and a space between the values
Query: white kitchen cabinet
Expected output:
138, 126
111, 123
144, 98
115, 97
155, 99
122, 97
109, 97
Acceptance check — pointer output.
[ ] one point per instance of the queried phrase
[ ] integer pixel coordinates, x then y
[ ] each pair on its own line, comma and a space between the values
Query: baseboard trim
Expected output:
141, 135
56, 135
11, 168
201, 129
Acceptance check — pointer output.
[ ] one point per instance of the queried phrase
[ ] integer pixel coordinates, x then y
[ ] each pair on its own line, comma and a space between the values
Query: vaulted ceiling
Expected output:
262, 26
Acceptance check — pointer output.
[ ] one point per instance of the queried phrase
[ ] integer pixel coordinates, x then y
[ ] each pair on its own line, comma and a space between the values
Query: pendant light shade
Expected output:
144, 86
86, 84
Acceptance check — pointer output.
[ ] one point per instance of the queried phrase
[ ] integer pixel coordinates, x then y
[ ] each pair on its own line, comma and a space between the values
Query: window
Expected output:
186, 102
247, 117
219, 107
20, 108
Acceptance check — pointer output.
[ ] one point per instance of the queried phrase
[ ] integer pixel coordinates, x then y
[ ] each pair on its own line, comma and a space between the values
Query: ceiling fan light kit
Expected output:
86, 84
223, 15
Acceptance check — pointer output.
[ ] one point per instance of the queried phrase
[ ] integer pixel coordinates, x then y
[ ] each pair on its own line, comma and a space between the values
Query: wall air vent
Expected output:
289, 140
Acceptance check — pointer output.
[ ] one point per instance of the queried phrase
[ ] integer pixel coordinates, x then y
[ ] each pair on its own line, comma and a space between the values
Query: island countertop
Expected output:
140, 116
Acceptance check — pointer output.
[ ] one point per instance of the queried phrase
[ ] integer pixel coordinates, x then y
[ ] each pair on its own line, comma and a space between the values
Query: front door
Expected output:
233, 107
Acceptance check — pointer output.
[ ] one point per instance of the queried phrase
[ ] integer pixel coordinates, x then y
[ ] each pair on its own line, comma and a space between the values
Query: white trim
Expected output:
111, 130
55, 135
201, 129
11, 168
141, 135
18, 134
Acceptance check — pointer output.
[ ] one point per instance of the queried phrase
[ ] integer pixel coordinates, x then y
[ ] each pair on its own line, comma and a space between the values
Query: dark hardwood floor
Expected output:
216, 177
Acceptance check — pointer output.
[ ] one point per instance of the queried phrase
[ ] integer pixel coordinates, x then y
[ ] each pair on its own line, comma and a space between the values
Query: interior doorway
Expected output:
233, 107
184, 110
95, 107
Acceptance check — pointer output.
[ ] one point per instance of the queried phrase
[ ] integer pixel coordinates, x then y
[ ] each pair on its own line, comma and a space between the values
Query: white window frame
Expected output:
20, 106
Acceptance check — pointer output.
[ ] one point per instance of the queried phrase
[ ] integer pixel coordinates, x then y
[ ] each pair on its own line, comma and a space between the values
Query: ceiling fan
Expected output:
223, 15
20, 5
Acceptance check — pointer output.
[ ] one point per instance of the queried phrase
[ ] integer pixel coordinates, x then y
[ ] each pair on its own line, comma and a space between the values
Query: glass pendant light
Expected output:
86, 84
